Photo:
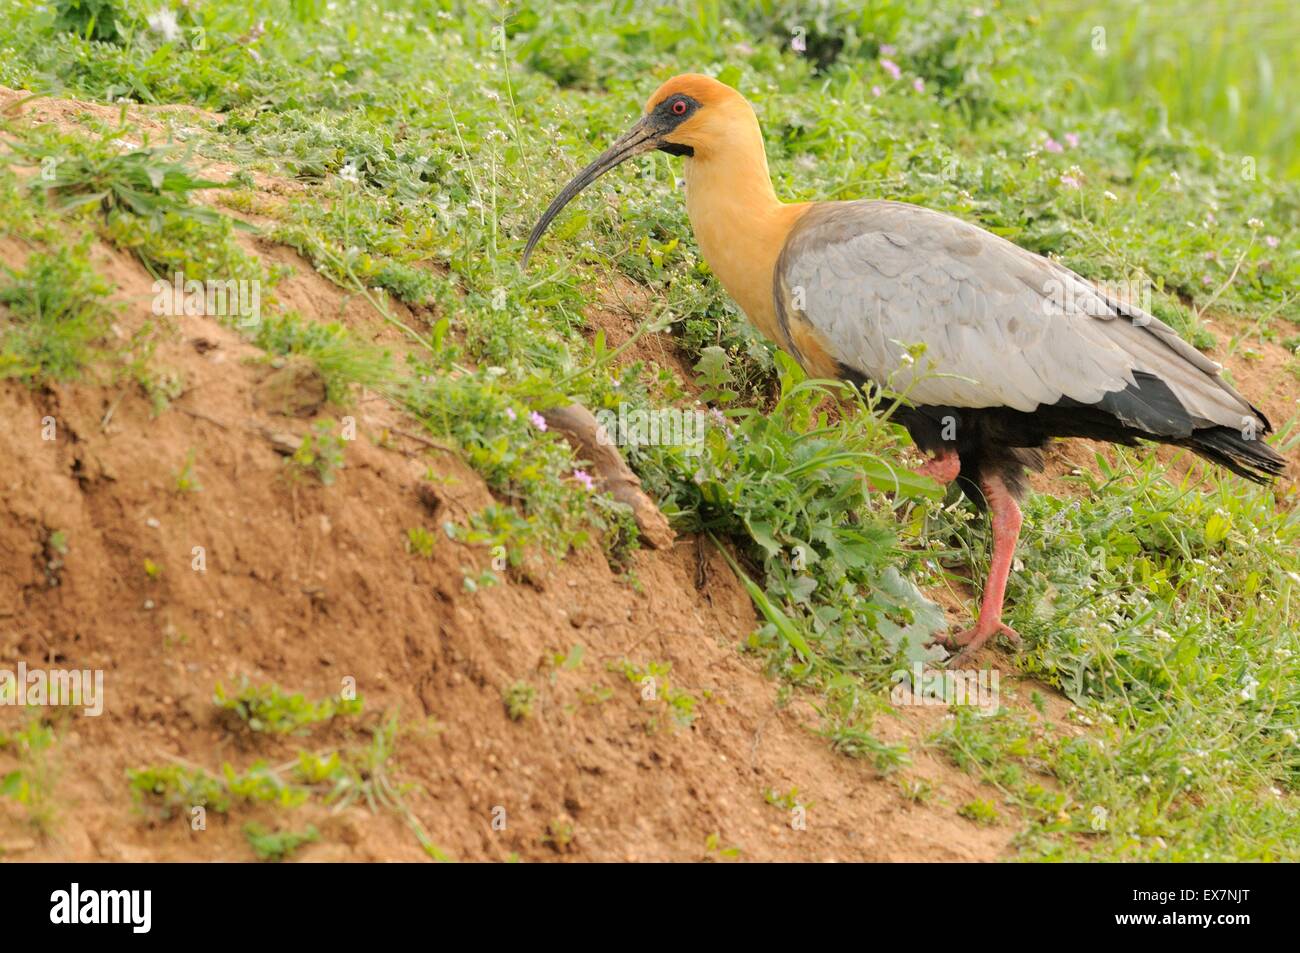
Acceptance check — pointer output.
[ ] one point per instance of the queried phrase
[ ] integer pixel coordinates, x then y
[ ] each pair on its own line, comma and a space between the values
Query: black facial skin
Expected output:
666, 120
649, 133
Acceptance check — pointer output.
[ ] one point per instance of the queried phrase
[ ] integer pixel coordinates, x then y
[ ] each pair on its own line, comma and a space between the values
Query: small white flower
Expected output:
164, 24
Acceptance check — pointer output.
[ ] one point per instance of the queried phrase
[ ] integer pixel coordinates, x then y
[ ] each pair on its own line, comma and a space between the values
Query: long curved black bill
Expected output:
640, 138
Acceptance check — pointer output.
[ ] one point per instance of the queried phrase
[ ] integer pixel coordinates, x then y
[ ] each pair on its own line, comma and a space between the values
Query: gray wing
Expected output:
1001, 326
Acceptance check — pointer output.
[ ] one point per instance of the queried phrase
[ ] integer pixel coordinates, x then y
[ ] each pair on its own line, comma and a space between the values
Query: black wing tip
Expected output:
1251, 458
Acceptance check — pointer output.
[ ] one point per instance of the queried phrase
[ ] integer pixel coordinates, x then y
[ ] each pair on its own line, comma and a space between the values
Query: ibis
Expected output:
1014, 348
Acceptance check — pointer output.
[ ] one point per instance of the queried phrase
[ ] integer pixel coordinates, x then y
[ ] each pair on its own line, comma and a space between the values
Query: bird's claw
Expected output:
971, 640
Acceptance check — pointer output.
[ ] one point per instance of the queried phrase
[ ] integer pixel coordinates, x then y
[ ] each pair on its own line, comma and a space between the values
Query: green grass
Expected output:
53, 316
321, 453
275, 846
31, 783
342, 360
1240, 92
1167, 614
362, 771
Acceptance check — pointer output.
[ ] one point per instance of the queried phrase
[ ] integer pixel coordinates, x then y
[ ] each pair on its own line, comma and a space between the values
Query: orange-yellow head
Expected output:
690, 115
713, 114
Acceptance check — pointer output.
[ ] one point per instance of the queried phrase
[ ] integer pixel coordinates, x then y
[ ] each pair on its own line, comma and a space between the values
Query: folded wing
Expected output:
1001, 326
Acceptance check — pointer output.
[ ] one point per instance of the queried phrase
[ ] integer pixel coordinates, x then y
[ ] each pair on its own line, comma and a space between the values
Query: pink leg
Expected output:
1005, 519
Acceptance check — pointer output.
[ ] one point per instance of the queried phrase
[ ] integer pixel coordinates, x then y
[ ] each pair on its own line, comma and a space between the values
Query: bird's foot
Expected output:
971, 640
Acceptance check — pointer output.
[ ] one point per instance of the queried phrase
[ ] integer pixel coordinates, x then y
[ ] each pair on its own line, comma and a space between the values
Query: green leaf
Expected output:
11, 785
780, 621
910, 640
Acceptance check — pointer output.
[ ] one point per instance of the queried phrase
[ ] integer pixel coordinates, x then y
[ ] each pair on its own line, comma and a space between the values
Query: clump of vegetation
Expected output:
519, 699
916, 790
357, 773
654, 685
176, 789
342, 360
275, 846
90, 19
54, 551
559, 834
981, 811
858, 742
714, 851
268, 708
145, 182
185, 480
320, 453
54, 313
420, 541
31, 783
787, 801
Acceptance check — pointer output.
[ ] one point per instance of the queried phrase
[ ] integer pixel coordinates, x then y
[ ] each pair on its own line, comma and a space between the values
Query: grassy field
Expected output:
1214, 66
429, 136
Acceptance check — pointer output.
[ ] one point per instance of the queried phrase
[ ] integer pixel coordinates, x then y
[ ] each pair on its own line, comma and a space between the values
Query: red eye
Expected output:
679, 107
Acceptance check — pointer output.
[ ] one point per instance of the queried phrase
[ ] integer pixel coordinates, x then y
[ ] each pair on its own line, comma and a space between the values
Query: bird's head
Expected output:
687, 116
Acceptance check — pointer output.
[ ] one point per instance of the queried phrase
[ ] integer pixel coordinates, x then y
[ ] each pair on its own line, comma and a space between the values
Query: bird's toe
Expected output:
971, 640
961, 660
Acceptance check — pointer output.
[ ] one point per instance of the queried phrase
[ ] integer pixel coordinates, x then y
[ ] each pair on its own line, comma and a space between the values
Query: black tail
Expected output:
1251, 458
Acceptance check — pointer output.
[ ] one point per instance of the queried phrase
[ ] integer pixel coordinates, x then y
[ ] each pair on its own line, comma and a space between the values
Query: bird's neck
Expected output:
740, 224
